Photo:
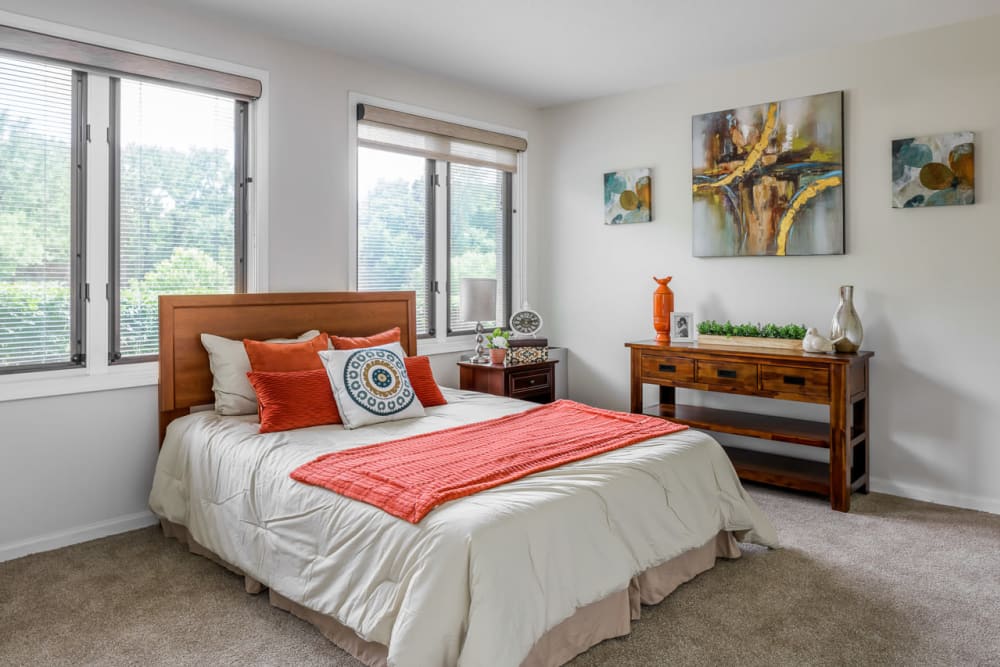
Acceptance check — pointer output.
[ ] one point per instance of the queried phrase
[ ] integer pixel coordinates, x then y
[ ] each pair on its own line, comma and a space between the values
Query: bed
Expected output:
529, 573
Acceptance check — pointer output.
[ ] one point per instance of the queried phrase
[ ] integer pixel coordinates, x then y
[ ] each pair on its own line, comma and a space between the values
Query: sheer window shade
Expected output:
37, 291
176, 228
436, 140
114, 61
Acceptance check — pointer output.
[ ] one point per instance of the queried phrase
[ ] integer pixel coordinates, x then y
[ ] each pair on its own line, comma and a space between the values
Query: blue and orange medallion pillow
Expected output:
371, 385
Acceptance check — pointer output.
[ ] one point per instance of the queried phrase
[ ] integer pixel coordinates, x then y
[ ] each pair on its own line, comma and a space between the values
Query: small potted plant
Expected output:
498, 342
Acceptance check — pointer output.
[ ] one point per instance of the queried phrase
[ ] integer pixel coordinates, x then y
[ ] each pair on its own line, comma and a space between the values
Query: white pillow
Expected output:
371, 385
230, 365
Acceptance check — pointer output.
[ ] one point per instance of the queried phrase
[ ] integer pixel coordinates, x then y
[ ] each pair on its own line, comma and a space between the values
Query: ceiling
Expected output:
550, 52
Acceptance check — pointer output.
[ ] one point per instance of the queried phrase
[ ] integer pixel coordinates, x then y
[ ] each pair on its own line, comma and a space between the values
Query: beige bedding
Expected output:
480, 580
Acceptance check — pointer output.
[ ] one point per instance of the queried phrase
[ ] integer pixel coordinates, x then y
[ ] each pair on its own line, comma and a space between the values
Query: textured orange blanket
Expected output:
410, 477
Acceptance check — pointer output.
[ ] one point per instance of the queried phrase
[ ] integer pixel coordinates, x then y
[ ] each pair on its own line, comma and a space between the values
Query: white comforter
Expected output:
481, 578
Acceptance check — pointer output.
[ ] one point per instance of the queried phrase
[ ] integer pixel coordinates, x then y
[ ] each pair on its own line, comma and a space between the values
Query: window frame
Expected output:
78, 287
97, 374
441, 342
240, 183
506, 204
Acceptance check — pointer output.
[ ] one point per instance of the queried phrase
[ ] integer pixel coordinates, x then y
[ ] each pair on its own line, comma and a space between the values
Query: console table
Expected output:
837, 380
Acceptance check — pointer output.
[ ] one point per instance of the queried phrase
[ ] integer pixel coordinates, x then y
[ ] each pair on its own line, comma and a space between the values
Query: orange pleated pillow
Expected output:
422, 379
283, 357
294, 399
358, 342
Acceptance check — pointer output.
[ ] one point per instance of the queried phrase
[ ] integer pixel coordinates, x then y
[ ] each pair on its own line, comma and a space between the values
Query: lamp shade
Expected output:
477, 300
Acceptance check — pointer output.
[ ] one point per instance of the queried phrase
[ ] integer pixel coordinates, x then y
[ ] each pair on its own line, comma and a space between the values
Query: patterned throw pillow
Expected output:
371, 385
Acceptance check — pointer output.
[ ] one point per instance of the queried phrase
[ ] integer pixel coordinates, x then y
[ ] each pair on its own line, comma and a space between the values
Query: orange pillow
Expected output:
294, 399
384, 338
422, 379
282, 357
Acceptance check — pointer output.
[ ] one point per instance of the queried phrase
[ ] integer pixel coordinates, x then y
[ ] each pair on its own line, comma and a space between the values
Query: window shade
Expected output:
36, 218
437, 140
176, 228
478, 233
394, 227
115, 61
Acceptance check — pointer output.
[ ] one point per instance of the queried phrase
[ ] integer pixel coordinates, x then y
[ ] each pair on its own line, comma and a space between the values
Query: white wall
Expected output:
926, 279
79, 466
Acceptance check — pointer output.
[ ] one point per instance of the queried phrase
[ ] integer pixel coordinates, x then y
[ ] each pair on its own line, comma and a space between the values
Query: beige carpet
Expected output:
895, 582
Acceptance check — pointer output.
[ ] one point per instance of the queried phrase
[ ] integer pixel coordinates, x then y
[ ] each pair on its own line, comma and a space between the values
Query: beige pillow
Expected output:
230, 365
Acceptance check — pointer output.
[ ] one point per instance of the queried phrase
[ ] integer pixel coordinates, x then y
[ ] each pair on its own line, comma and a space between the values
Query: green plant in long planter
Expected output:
747, 330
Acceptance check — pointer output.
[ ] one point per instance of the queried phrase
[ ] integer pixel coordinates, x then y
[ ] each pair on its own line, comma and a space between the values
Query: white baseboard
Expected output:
64, 538
938, 496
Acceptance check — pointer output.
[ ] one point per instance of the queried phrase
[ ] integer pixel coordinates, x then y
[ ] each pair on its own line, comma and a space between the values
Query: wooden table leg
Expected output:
635, 389
840, 442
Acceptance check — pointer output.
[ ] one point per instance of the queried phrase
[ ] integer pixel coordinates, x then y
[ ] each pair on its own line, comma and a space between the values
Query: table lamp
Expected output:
477, 302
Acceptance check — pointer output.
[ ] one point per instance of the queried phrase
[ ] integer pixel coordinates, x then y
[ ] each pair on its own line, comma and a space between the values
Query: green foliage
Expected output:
498, 338
747, 330
173, 203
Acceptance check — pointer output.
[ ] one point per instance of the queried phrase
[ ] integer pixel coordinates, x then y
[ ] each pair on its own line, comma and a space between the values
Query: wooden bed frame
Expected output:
185, 376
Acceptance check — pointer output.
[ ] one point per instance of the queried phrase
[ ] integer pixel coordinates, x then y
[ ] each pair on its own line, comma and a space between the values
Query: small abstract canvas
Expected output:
627, 196
934, 171
768, 179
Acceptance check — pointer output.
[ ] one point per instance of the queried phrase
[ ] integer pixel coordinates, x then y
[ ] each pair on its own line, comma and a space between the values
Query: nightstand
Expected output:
528, 382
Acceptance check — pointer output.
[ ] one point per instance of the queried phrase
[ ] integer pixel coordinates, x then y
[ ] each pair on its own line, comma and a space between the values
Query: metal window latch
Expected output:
80, 359
86, 292
435, 287
437, 180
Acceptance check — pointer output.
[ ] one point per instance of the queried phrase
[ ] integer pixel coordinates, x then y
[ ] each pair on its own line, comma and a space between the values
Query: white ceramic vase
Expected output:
846, 330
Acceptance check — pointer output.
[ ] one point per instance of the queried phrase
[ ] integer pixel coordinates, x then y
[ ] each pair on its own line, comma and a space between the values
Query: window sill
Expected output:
450, 345
76, 381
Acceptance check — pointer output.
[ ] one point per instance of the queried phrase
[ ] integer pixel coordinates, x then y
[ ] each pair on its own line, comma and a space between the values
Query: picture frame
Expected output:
682, 327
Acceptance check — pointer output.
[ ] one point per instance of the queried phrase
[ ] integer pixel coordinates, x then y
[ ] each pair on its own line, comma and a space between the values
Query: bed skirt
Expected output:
589, 625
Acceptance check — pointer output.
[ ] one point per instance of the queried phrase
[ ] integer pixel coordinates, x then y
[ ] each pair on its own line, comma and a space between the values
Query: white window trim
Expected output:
98, 375
442, 343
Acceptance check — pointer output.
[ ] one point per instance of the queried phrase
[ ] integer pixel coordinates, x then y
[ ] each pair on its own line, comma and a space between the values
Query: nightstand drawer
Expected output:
796, 380
664, 367
727, 375
529, 382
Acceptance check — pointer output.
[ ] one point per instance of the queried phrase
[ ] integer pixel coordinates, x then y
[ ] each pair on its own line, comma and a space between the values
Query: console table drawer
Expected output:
727, 375
663, 367
796, 380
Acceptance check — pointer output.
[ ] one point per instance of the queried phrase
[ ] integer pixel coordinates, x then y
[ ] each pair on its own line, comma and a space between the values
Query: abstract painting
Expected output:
768, 179
934, 171
627, 196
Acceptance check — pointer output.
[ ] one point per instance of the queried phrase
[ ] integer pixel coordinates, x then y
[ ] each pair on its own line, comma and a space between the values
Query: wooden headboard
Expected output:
185, 377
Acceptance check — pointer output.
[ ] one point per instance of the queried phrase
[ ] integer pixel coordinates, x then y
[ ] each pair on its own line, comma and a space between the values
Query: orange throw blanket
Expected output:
408, 478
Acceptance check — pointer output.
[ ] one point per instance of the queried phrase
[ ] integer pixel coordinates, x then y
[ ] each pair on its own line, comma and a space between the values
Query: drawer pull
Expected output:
723, 373
668, 368
795, 379
531, 382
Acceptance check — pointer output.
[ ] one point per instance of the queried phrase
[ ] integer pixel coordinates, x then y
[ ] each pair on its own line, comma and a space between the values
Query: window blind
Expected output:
437, 140
394, 227
478, 237
176, 222
36, 214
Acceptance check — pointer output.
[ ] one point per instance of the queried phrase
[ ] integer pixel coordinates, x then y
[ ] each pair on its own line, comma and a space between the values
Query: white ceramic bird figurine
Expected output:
814, 342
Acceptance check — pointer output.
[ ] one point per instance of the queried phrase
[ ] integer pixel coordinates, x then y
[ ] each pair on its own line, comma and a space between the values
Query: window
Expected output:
434, 207
40, 273
395, 226
175, 228
172, 212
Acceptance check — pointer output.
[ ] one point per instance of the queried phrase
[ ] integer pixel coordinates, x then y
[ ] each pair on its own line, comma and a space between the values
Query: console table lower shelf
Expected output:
838, 381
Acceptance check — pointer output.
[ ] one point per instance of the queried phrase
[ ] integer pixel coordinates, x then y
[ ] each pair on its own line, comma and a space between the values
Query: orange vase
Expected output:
663, 305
